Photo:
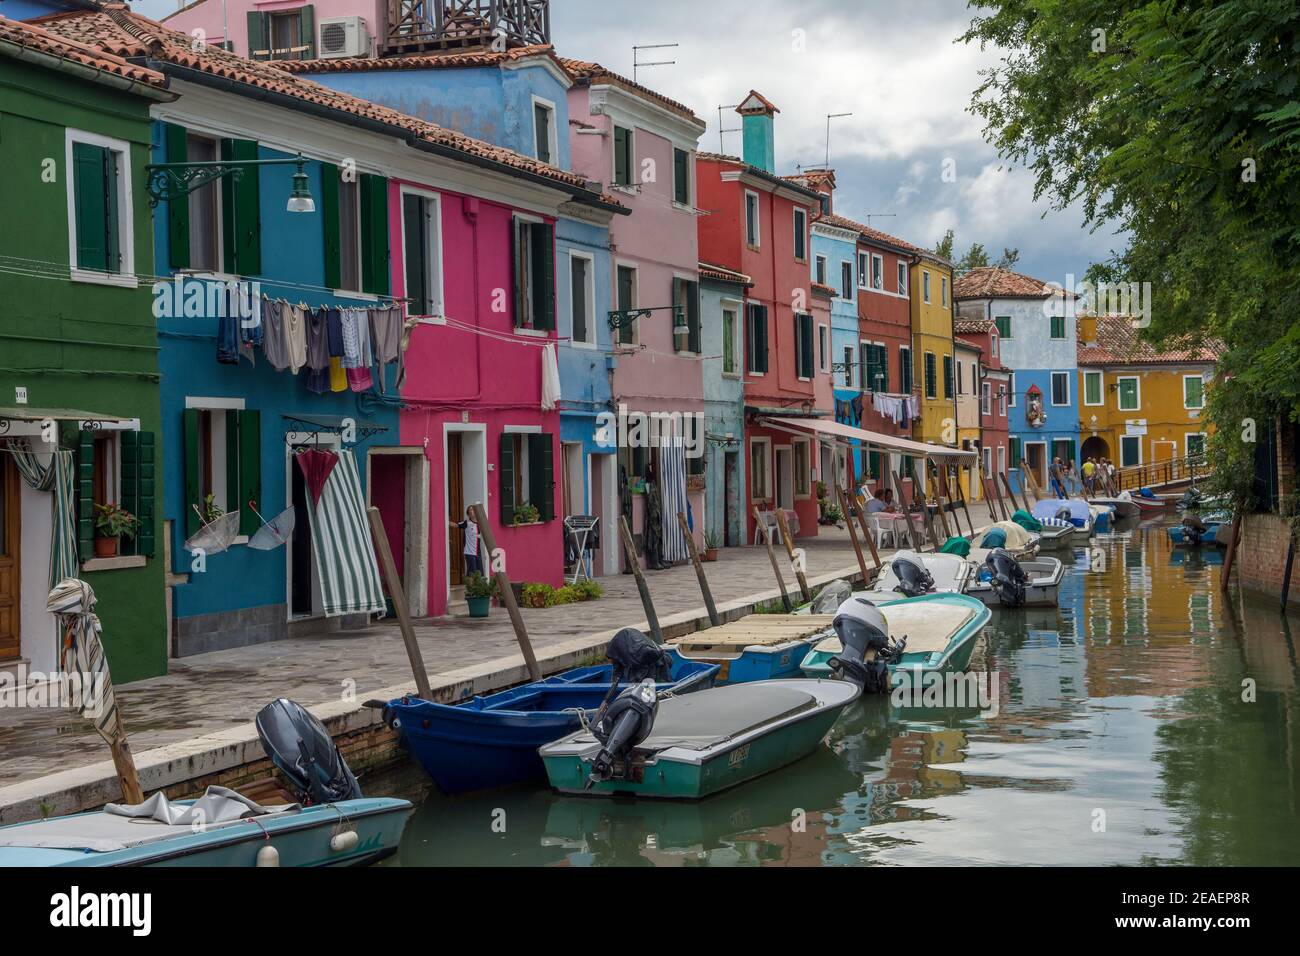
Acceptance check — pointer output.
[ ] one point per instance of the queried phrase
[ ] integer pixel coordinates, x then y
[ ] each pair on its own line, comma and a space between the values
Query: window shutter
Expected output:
91, 209
258, 35
374, 234
241, 210
1015, 451
762, 338
112, 228
621, 177
234, 497
541, 477
250, 470
193, 497
178, 210
329, 208
307, 31
86, 495
506, 477
947, 376
139, 489
679, 303
543, 254
693, 317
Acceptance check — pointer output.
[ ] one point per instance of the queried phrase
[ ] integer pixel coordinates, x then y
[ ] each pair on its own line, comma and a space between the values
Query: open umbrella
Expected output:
273, 533
316, 467
215, 536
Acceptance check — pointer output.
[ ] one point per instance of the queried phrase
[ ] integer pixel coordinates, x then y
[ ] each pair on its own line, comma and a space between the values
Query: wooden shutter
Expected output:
234, 498
764, 352
809, 353
693, 317
250, 470
679, 303
241, 211
193, 480
622, 175
178, 210
681, 176
374, 234
543, 262
947, 376
259, 35
506, 478
112, 227
307, 31
90, 198
1015, 451
883, 361
139, 489
329, 215
85, 495
541, 475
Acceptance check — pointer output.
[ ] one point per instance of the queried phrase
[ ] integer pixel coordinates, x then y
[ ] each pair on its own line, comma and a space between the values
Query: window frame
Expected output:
1065, 376
217, 186
635, 328
1187, 446
756, 442
821, 269
751, 351
1101, 388
736, 308
823, 348
925, 286
629, 140
800, 360
589, 341
1011, 388
124, 276
864, 269
688, 169
1122, 440
929, 360
943, 291
1119, 392
800, 233
1194, 408
756, 242
902, 277
440, 301
846, 280
877, 272
806, 445
553, 135
907, 370
354, 186
986, 398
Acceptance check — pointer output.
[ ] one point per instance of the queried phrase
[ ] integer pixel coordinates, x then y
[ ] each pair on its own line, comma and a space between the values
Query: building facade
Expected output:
722, 310
966, 366
931, 298
992, 391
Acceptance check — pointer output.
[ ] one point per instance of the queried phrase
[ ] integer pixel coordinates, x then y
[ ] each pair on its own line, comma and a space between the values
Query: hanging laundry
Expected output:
334, 332
227, 338
274, 342
550, 378
360, 379
351, 339
338, 376
318, 350
386, 334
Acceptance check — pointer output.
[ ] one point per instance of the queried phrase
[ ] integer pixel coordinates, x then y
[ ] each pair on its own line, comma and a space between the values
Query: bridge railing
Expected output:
1154, 474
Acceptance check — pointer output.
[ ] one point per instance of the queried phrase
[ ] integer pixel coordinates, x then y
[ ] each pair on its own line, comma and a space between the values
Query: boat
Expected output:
1149, 503
940, 632
1101, 515
1017, 539
1123, 505
910, 574
1193, 532
1052, 511
491, 741
1037, 585
688, 748
331, 824
754, 648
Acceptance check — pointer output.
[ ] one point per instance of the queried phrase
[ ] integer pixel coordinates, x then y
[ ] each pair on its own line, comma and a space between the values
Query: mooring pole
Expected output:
699, 570
507, 594
795, 563
1010, 494
1226, 575
395, 590
629, 548
861, 514
853, 535
771, 556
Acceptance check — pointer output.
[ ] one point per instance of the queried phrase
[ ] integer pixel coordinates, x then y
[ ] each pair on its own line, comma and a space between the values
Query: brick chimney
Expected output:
759, 125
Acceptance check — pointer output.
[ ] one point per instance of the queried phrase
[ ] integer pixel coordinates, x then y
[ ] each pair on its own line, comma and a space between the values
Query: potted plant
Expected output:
526, 513
478, 594
111, 522
711, 544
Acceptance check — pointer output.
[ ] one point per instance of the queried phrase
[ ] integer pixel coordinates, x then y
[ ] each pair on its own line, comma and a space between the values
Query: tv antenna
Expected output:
636, 57
829, 117
722, 128
880, 215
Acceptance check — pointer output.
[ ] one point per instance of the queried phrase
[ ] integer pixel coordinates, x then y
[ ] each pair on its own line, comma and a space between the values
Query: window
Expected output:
864, 268
961, 378
875, 362
947, 376
627, 301
905, 369
286, 36
846, 280
204, 209
681, 177
290, 35
422, 254
1011, 389
1130, 398
686, 309
1195, 444
1058, 326
802, 468
112, 467
931, 376
987, 455
582, 296
1060, 388
1130, 450
759, 470
820, 270
1002, 400
986, 398
1092, 383
217, 228
1002, 459
1193, 392
943, 291
756, 340
544, 133
624, 156
752, 224
925, 286
823, 349
534, 274
223, 461
801, 235
1003, 322
803, 345
526, 474
99, 207
848, 365
349, 234
877, 272
902, 278
729, 342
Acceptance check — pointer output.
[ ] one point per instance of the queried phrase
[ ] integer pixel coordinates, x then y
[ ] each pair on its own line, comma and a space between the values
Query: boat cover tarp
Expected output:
706, 718
1017, 538
957, 546
1048, 507
928, 625
1026, 520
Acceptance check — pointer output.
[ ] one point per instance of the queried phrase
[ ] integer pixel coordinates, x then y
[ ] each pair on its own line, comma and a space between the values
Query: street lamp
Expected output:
171, 181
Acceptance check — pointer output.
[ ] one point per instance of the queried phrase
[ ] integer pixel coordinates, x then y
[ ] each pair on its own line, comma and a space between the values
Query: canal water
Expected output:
1152, 719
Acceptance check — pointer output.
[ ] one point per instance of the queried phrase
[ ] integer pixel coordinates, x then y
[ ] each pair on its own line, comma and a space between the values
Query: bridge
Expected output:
1169, 475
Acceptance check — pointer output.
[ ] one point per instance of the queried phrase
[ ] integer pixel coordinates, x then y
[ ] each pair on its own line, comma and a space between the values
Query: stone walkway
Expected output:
211, 692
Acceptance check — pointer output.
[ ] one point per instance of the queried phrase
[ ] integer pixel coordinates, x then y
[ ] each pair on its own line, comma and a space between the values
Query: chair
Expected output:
881, 528
768, 519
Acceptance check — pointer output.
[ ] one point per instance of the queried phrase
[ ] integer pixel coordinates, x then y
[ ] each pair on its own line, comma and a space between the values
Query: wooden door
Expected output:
455, 508
10, 561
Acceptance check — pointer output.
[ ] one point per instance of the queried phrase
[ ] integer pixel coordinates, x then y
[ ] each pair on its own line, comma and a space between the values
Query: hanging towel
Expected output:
275, 345
351, 339
342, 546
338, 375
334, 332
550, 378
318, 349
672, 483
295, 325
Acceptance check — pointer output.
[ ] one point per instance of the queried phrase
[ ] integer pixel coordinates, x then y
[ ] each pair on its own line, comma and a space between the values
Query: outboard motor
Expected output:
1065, 514
1191, 500
620, 728
913, 578
832, 596
866, 648
1007, 577
636, 658
302, 749
1193, 530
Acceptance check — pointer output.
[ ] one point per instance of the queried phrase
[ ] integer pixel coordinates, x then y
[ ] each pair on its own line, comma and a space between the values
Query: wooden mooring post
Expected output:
853, 534
795, 561
771, 556
507, 594
629, 548
1226, 574
699, 570
398, 594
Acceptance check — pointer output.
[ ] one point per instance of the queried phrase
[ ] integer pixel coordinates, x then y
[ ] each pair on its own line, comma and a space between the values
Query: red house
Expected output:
994, 389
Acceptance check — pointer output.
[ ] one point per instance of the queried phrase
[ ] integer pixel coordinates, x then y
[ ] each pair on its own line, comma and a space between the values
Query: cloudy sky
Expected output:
893, 64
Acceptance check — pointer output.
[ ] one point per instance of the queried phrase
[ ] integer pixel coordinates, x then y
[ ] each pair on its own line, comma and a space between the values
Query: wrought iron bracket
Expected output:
621, 319
169, 181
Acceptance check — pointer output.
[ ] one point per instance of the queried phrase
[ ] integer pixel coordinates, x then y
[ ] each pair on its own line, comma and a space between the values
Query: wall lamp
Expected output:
170, 181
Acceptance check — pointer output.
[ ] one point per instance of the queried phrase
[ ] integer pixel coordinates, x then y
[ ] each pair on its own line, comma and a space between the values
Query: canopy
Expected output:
836, 430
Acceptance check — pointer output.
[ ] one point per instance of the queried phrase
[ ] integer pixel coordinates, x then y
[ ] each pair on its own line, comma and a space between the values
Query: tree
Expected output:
1009, 258
943, 248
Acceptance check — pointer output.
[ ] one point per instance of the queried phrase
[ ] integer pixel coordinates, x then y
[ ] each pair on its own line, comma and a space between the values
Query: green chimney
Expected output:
759, 131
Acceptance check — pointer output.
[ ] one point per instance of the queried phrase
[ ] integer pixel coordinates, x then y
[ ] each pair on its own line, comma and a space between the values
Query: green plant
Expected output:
537, 595
543, 595
589, 590
526, 513
113, 521
477, 586
211, 512
711, 541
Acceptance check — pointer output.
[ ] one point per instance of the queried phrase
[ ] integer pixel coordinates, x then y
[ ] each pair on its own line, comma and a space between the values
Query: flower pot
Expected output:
710, 554
478, 606
106, 547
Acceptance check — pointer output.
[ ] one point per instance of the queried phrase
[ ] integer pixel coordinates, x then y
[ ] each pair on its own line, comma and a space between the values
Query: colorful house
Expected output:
992, 387
759, 224
1139, 405
722, 311
79, 397
932, 349
966, 367
1037, 338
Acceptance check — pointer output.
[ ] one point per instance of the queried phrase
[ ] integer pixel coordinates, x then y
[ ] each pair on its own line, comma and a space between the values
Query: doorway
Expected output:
731, 499
455, 508
10, 559
785, 478
465, 483
1036, 459
397, 483
1163, 450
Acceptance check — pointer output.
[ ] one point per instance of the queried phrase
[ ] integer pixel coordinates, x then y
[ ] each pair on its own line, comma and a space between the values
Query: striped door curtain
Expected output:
672, 482
342, 546
58, 477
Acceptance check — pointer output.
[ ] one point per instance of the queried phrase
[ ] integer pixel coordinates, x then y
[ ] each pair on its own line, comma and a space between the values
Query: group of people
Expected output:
1098, 475
1095, 477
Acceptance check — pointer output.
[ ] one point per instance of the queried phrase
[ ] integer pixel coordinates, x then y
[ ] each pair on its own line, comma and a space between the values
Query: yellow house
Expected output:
1138, 406
932, 349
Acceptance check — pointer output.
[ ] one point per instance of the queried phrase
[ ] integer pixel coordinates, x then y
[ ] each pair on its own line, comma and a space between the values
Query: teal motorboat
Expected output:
936, 632
691, 747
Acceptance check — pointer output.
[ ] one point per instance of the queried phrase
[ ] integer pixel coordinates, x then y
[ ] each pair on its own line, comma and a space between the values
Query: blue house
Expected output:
722, 308
834, 255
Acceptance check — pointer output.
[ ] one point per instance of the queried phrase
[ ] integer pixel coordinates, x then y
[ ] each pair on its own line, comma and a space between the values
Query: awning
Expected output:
24, 414
332, 424
837, 430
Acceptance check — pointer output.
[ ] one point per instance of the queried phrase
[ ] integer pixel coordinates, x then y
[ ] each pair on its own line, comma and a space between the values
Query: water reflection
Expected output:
1153, 718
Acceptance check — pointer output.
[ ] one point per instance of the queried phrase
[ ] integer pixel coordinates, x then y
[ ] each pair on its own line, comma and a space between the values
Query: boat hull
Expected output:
1179, 538
754, 663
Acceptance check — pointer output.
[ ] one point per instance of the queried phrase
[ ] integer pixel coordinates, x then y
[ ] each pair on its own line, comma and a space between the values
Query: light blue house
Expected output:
722, 307
833, 263
1037, 338
517, 99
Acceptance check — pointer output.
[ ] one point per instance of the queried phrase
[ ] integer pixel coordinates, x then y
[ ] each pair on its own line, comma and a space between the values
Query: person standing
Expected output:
1089, 467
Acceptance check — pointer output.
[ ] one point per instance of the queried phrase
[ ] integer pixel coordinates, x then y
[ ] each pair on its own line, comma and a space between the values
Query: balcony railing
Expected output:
448, 24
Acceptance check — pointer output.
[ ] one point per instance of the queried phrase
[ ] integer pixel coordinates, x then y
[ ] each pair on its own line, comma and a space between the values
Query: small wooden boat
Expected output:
1152, 504
1051, 511
1123, 505
1041, 589
708, 742
1018, 540
756, 647
1179, 536
951, 574
940, 630
492, 741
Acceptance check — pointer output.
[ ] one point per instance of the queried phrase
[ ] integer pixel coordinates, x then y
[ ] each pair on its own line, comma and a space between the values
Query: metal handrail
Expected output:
1165, 472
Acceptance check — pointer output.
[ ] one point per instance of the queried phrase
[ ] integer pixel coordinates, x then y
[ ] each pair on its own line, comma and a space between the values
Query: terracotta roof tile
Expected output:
994, 282
972, 326
827, 290
447, 60
1119, 343
709, 270
760, 173
584, 70
871, 235
766, 105
814, 178
37, 38
119, 31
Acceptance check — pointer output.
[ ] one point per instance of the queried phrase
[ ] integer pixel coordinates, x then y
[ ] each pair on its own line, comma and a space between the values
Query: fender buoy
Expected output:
268, 856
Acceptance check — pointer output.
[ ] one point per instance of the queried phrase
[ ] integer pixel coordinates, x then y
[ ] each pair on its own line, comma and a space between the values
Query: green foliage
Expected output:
976, 256
526, 513
477, 586
112, 521
711, 541
543, 595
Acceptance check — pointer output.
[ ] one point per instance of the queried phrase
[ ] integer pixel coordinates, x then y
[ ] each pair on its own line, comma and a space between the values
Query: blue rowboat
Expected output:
1080, 514
492, 741
1178, 534
754, 648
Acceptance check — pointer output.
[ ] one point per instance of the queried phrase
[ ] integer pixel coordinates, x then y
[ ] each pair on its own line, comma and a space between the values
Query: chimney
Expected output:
822, 180
759, 131
1088, 329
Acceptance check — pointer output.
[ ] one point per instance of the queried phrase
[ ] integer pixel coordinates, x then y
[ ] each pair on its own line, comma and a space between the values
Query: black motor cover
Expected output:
1193, 529
1008, 577
1064, 513
302, 749
913, 578
636, 658
864, 635
620, 728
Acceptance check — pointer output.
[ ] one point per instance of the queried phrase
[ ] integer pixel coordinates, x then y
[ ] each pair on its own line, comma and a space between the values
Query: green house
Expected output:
79, 384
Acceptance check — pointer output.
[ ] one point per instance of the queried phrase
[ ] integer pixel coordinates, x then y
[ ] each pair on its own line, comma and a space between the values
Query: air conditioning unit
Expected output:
343, 36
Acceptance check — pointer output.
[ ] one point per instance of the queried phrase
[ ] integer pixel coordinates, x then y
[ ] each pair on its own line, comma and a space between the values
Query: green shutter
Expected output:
259, 34
241, 211
86, 495
541, 475
693, 317
1058, 327
1015, 452
679, 310
329, 208
543, 252
622, 176
178, 210
374, 234
91, 210
760, 334
139, 490
250, 470
1003, 323
193, 484
307, 30
1071, 454
947, 376
506, 478
882, 361
113, 228
681, 176
234, 497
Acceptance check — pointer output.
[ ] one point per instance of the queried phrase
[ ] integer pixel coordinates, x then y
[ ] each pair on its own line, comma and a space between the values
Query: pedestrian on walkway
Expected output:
470, 555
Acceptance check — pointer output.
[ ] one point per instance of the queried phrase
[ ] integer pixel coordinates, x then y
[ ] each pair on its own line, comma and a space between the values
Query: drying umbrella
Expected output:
316, 466
72, 602
215, 536
273, 533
